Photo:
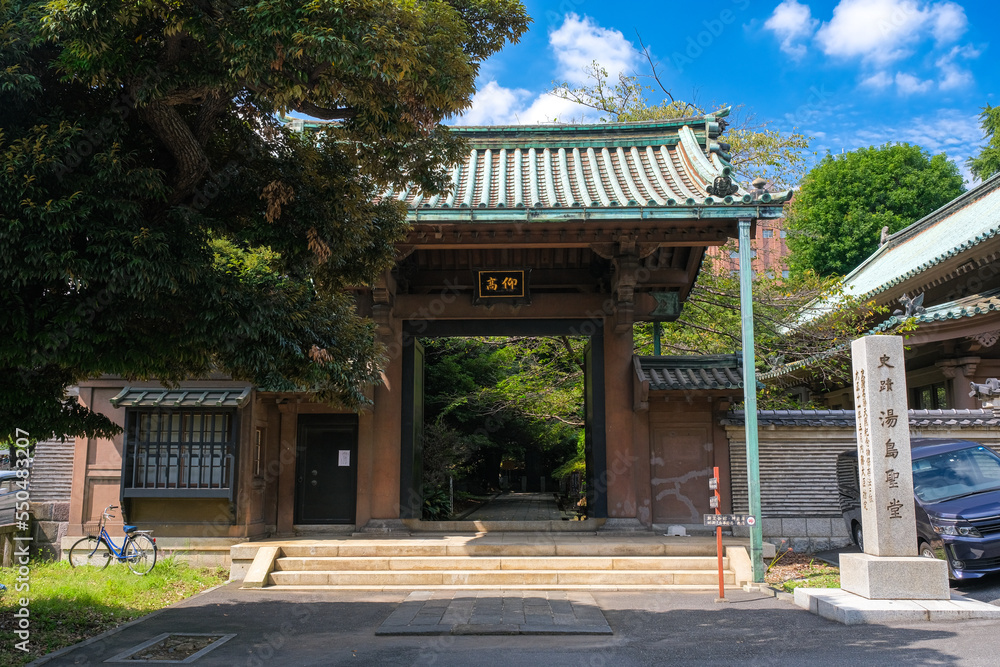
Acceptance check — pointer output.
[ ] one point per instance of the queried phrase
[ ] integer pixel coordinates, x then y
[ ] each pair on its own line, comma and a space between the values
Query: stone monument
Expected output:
889, 568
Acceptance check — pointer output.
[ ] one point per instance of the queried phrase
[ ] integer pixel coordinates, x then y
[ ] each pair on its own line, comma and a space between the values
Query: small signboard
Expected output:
507, 285
729, 520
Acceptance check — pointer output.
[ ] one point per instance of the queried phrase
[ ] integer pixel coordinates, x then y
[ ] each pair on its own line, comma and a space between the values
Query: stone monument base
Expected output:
894, 577
850, 609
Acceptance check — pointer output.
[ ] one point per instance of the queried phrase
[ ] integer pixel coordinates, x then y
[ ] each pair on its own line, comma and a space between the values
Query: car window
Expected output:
956, 474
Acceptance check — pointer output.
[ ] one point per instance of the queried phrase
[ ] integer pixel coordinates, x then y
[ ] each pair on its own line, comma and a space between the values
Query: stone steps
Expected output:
491, 578
490, 561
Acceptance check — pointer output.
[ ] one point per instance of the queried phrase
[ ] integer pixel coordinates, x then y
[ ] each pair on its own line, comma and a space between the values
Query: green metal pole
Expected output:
750, 402
656, 339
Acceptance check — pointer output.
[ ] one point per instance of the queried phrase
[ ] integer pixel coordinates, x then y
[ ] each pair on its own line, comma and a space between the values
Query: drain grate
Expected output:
173, 648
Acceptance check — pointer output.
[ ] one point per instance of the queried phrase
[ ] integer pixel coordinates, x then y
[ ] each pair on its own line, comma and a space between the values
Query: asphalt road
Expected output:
683, 628
986, 589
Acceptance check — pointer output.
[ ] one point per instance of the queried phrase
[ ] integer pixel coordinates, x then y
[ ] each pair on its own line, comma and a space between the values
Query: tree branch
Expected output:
170, 128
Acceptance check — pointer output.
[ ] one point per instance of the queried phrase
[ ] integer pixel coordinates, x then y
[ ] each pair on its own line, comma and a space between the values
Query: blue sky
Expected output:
849, 73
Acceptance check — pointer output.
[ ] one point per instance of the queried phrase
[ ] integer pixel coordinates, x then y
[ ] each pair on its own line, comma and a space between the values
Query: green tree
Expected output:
835, 221
501, 398
157, 220
755, 148
987, 162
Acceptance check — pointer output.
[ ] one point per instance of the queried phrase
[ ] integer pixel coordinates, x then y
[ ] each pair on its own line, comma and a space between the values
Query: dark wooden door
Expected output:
326, 469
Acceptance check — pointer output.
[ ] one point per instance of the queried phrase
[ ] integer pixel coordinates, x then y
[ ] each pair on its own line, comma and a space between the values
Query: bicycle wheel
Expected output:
89, 552
140, 554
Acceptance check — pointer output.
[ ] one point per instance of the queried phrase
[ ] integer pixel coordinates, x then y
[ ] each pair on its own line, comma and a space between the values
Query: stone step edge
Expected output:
288, 563
504, 587
344, 573
491, 551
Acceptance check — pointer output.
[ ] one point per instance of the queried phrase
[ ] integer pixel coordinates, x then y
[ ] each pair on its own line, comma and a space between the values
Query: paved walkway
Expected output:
496, 613
518, 507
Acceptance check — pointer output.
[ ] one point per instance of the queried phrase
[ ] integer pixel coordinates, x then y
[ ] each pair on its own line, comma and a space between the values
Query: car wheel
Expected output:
859, 537
925, 550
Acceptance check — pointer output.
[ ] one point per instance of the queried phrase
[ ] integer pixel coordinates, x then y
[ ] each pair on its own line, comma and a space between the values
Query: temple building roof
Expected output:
963, 223
635, 170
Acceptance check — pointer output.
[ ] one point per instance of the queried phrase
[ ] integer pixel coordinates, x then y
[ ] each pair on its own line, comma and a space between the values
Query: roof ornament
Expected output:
987, 390
722, 186
912, 307
885, 236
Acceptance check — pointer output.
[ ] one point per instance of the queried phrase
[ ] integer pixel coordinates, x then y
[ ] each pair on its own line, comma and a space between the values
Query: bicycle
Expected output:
138, 550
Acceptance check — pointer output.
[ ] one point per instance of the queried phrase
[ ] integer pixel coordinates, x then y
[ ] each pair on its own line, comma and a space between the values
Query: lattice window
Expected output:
181, 452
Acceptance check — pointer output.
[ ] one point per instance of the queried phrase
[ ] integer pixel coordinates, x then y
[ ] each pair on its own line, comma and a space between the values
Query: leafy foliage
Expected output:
756, 149
795, 319
987, 162
156, 220
835, 220
496, 398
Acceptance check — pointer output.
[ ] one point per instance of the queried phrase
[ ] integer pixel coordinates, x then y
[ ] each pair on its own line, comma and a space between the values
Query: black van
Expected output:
956, 488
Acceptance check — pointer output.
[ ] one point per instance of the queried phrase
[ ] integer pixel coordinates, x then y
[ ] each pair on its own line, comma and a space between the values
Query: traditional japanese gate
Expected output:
554, 230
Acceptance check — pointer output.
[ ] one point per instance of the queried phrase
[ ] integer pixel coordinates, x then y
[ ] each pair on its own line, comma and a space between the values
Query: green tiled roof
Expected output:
590, 170
963, 223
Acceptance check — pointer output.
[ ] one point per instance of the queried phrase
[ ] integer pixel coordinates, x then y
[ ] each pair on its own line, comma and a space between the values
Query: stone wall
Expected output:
48, 528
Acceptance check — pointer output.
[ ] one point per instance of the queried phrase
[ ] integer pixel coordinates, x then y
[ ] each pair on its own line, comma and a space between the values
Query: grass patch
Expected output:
789, 570
819, 575
69, 605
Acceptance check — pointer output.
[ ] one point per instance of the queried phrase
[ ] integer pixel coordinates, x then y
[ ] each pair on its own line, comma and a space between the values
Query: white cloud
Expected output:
876, 30
494, 105
908, 84
950, 22
547, 107
880, 79
792, 22
954, 76
578, 42
884, 31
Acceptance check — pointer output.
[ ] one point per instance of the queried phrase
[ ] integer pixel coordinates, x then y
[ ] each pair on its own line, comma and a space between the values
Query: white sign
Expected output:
345, 457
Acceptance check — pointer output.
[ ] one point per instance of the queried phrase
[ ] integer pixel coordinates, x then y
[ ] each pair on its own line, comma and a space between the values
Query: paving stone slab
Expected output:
496, 613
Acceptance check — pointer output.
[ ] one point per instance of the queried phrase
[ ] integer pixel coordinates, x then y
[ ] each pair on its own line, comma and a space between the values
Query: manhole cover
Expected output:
173, 648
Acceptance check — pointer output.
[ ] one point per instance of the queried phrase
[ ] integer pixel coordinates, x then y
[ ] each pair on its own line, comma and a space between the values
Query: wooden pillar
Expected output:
643, 474
621, 458
286, 473
386, 430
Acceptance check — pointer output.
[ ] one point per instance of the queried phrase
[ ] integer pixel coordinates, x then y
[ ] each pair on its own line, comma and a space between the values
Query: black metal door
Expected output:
326, 469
